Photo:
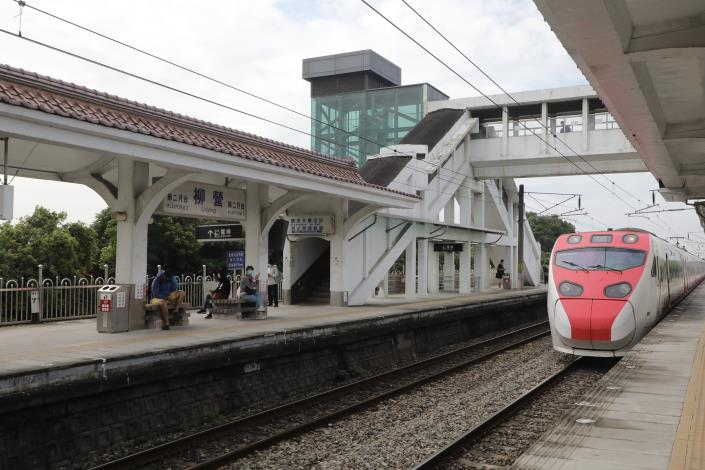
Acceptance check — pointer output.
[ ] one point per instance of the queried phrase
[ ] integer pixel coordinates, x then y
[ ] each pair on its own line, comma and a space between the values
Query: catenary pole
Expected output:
520, 239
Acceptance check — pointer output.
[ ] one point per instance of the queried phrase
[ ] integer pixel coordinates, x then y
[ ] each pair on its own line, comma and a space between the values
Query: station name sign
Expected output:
204, 201
218, 233
311, 225
448, 247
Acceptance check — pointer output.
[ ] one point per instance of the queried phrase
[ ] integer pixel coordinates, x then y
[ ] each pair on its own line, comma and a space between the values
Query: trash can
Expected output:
507, 281
113, 308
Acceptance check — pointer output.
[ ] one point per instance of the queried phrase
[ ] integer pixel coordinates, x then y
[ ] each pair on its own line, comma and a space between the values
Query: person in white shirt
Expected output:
273, 278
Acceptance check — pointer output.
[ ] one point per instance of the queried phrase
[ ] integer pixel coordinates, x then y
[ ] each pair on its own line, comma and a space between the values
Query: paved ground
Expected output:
648, 411
31, 347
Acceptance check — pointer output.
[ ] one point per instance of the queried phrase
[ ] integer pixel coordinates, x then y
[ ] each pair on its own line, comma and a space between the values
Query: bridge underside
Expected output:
556, 165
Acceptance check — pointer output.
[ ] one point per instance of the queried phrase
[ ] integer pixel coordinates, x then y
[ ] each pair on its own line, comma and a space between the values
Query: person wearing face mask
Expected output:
249, 289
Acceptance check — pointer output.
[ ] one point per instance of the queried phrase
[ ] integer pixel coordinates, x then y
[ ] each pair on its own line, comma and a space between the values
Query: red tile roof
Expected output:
30, 90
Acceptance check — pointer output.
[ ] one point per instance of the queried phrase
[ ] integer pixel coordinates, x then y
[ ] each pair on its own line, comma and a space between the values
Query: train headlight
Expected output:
618, 291
570, 289
575, 238
630, 238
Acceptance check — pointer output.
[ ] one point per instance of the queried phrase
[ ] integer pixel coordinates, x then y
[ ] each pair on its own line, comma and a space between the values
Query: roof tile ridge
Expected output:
54, 85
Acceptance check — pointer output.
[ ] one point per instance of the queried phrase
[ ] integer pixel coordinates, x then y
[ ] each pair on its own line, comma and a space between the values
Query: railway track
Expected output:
501, 438
255, 432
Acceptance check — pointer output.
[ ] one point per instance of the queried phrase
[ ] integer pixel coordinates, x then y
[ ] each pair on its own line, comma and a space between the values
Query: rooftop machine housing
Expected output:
359, 104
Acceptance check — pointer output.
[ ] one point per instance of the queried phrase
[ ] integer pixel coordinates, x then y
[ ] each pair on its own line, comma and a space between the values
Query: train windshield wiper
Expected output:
605, 268
570, 263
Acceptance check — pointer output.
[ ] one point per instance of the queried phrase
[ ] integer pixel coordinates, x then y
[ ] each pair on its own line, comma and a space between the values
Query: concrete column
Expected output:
432, 270
256, 243
544, 122
131, 259
465, 203
448, 271
505, 131
410, 288
338, 297
482, 267
586, 131
287, 263
465, 260
449, 211
514, 265
423, 266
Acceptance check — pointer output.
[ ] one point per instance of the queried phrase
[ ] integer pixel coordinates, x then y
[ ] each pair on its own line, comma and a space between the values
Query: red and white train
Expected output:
606, 290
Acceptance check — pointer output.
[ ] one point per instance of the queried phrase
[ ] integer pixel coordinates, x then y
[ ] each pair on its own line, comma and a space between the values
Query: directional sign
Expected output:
235, 260
219, 233
448, 247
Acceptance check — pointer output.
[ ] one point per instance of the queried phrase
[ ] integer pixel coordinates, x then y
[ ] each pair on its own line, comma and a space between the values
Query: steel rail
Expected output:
182, 444
231, 456
480, 430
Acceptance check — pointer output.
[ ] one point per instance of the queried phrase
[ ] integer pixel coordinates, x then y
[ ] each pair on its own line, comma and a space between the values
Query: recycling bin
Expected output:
113, 309
507, 281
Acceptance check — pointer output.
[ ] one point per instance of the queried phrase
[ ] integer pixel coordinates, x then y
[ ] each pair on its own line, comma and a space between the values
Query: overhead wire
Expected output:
459, 75
494, 82
220, 82
235, 88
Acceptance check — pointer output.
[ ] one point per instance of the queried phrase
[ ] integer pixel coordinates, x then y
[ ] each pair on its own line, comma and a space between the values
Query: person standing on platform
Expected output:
273, 278
165, 290
500, 272
249, 289
222, 291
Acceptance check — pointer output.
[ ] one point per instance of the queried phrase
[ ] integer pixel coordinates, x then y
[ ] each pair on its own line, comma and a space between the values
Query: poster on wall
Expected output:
204, 201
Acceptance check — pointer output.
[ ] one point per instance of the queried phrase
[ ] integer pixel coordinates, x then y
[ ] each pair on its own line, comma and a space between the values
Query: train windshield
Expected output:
597, 259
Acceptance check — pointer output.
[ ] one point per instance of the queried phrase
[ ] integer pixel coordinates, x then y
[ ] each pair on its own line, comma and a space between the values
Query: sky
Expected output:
259, 45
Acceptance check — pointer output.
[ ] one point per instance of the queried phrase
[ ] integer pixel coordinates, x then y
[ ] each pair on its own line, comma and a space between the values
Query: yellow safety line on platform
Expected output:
689, 447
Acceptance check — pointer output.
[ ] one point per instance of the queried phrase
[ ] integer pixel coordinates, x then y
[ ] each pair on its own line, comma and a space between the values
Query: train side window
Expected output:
654, 267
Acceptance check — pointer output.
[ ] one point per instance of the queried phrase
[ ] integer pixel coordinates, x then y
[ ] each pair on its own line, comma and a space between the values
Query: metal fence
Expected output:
39, 299
396, 282
66, 298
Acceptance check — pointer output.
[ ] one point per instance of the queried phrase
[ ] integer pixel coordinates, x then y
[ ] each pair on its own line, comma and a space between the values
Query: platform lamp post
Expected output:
203, 285
520, 239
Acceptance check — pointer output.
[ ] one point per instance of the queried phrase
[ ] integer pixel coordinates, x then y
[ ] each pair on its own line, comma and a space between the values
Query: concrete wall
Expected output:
100, 408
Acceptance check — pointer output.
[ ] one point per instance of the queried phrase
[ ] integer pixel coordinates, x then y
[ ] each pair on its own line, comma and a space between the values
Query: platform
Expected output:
648, 412
34, 356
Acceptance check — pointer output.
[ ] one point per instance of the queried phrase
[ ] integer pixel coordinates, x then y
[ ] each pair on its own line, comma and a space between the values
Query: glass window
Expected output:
595, 259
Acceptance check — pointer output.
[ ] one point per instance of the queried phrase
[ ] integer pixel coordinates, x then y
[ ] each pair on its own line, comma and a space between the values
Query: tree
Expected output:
44, 238
546, 229
105, 229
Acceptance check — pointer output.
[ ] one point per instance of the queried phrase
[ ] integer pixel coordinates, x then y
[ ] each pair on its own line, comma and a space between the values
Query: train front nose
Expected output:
594, 324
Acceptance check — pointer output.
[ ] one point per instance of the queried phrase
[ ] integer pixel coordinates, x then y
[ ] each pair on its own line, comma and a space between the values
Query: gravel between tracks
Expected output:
129, 447
399, 432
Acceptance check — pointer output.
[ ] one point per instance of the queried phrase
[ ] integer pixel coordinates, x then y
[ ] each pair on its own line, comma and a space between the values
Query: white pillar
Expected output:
287, 263
131, 259
338, 296
482, 267
448, 271
410, 287
423, 266
465, 203
513, 252
546, 131
256, 243
432, 271
465, 260
505, 131
585, 134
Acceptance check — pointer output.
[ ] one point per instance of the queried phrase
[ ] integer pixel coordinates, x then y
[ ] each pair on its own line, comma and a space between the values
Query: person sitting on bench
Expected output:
222, 291
165, 290
249, 289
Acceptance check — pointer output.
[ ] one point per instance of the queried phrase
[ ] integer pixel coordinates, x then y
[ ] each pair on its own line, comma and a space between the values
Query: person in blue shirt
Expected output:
165, 291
